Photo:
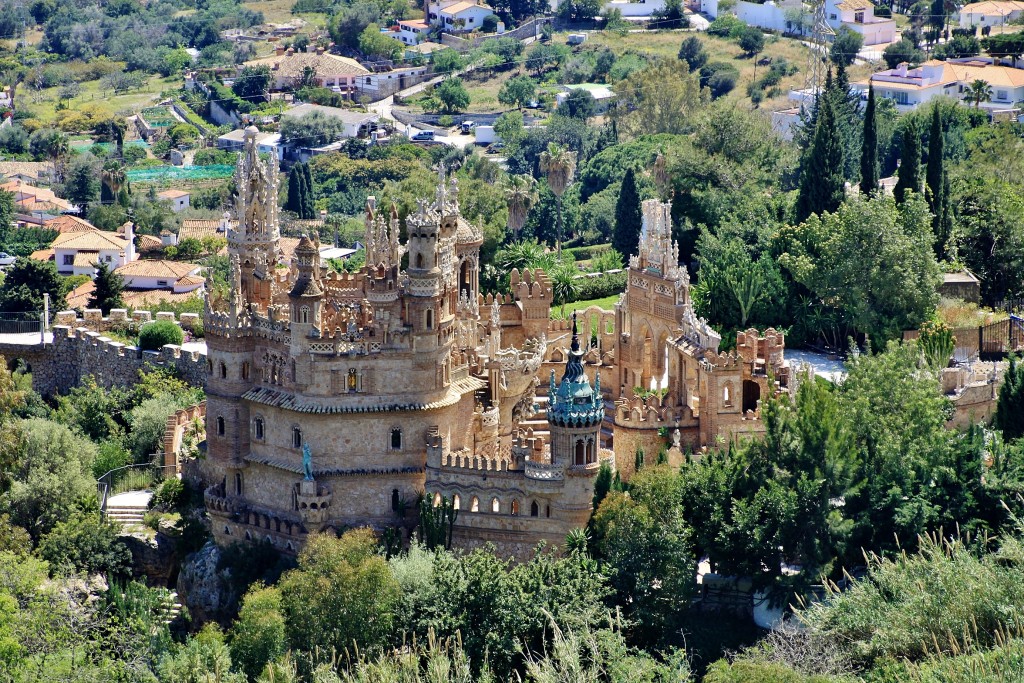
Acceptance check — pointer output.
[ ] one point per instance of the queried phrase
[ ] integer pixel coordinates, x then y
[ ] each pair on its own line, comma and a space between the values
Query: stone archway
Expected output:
751, 395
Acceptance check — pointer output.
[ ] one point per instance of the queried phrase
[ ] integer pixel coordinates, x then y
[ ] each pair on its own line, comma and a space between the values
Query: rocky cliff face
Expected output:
203, 590
154, 557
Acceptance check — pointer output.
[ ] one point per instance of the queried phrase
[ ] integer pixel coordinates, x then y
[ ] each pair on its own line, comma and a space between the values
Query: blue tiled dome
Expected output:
574, 402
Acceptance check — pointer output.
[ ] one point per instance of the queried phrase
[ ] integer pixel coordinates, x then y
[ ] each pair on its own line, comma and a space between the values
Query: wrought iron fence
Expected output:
130, 478
20, 323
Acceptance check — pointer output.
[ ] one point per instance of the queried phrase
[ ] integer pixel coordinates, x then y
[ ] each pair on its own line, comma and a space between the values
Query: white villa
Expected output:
458, 15
793, 16
910, 88
991, 13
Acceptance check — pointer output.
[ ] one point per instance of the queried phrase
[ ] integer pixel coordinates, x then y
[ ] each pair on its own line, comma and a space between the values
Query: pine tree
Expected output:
308, 209
1010, 406
109, 286
628, 216
822, 185
638, 458
869, 147
935, 179
910, 163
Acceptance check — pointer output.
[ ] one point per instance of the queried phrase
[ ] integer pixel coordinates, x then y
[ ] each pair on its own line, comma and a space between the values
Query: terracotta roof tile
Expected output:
93, 240
172, 270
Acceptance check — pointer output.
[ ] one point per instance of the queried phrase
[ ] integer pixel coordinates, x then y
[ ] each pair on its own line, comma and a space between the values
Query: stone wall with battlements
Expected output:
76, 353
119, 318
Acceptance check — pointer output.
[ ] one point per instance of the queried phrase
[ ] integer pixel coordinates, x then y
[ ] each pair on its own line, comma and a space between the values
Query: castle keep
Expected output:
337, 400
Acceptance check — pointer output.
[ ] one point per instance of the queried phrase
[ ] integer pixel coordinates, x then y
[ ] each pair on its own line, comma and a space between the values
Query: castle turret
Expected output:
306, 295
576, 411
256, 240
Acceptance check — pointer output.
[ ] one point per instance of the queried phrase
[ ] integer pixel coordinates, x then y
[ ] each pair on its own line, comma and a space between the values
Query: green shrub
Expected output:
109, 456
170, 495
600, 287
88, 544
156, 335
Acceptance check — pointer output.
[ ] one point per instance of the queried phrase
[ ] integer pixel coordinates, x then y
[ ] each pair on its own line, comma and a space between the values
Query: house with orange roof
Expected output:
909, 88
455, 16
68, 223
78, 253
36, 204
178, 199
287, 68
174, 276
859, 17
991, 13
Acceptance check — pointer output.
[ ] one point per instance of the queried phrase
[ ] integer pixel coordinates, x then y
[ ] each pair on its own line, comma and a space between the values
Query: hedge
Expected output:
600, 287
155, 335
589, 251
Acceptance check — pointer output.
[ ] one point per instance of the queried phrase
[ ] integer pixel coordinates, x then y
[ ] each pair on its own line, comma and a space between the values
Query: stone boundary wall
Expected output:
75, 353
178, 423
92, 319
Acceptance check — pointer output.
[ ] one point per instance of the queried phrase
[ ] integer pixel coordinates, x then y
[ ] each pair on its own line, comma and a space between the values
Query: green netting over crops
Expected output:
160, 174
159, 117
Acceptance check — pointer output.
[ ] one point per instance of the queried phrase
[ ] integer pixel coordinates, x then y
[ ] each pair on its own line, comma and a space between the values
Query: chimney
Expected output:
279, 50
225, 223
129, 235
291, 51
319, 50
310, 47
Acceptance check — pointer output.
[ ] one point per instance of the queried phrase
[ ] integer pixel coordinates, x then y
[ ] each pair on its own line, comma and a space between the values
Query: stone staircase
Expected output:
128, 508
170, 607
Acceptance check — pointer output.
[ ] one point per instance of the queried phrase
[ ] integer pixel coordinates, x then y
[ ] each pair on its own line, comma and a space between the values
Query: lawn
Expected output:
607, 303
43, 103
280, 12
665, 44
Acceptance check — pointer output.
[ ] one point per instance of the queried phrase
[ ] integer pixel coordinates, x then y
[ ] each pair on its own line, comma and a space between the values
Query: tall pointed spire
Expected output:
574, 368
574, 403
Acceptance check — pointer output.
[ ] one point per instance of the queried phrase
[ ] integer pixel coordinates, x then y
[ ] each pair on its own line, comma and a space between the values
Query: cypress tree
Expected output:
308, 207
294, 189
935, 175
822, 185
109, 286
869, 147
910, 163
628, 216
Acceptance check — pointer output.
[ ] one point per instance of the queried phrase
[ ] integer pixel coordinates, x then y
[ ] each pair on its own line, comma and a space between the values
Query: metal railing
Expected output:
130, 478
20, 323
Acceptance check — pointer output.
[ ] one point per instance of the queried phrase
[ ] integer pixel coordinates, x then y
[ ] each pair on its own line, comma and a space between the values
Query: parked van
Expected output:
423, 136
468, 126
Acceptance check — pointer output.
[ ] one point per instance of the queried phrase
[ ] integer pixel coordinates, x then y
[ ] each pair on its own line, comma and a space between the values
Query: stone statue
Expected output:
676, 438
307, 462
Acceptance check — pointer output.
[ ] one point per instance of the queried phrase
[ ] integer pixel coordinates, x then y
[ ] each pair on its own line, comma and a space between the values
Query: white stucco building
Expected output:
991, 13
910, 88
793, 16
455, 16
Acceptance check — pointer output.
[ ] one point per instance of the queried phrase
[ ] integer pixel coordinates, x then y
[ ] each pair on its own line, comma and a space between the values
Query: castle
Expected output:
337, 400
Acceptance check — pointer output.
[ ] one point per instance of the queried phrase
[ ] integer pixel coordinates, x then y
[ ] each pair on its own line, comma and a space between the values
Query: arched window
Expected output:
209, 366
304, 314
245, 370
238, 483
547, 510
223, 371
726, 396
437, 499
257, 428
419, 260
395, 500
220, 426
495, 505
474, 504
353, 379
396, 439
514, 508
430, 318
591, 451
296, 437
580, 456
534, 509
456, 502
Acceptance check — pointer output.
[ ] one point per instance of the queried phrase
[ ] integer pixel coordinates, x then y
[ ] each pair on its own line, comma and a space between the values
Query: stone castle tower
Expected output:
336, 400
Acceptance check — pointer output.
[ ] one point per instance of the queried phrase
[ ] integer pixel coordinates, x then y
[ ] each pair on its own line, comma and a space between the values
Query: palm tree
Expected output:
559, 164
520, 195
978, 91
564, 284
114, 178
